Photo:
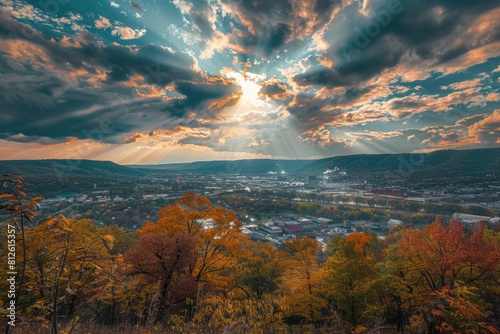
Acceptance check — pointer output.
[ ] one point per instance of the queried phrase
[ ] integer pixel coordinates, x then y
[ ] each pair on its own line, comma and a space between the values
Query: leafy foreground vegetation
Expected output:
178, 275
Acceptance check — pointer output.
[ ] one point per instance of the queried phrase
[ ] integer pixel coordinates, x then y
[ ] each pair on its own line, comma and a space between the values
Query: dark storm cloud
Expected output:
324, 8
20, 138
50, 103
273, 89
263, 10
32, 91
363, 45
259, 27
203, 92
324, 76
438, 29
265, 42
203, 24
199, 96
201, 13
85, 114
271, 25
304, 17
160, 66
402, 104
202, 17
384, 53
310, 112
434, 32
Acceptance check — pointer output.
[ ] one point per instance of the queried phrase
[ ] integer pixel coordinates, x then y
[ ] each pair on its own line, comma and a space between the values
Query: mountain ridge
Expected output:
448, 161
443, 163
64, 166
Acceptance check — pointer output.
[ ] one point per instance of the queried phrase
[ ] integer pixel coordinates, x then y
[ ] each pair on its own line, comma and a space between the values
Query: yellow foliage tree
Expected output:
352, 280
69, 267
228, 314
302, 286
259, 270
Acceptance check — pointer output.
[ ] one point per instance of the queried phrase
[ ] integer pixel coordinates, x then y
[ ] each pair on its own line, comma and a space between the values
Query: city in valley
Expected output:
292, 199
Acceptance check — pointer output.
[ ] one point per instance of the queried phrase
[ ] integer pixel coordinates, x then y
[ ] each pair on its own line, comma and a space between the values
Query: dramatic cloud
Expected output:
487, 129
146, 81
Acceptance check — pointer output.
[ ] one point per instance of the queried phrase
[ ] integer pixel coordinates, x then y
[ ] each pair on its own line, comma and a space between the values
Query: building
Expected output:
312, 181
323, 221
271, 229
393, 222
50, 201
118, 199
388, 192
469, 219
100, 193
293, 227
67, 195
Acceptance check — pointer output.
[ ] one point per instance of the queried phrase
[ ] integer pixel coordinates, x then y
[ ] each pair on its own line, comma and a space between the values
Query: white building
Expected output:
393, 222
469, 219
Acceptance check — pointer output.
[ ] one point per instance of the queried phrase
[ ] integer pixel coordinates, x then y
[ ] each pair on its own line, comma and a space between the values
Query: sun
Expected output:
250, 88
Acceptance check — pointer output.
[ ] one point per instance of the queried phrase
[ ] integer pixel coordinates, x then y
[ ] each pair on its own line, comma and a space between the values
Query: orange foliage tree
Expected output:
259, 270
427, 268
302, 286
216, 232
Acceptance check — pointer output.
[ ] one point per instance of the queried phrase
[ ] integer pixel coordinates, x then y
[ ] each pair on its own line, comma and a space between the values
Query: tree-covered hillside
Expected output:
193, 271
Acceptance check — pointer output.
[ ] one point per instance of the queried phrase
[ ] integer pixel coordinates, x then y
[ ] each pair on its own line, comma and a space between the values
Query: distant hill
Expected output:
446, 163
439, 164
53, 166
250, 166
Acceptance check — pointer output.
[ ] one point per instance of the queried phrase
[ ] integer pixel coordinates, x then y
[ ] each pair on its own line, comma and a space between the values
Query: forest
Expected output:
193, 271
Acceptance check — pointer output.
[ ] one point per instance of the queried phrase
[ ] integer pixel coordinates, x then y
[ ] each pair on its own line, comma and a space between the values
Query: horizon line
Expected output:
249, 159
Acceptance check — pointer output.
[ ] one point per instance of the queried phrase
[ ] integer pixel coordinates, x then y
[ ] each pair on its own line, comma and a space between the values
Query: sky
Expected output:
160, 81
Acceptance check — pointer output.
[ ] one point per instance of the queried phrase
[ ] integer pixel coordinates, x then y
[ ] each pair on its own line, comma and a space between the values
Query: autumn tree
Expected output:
302, 283
426, 269
219, 313
123, 239
259, 269
216, 233
60, 259
164, 260
19, 211
69, 268
352, 280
